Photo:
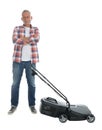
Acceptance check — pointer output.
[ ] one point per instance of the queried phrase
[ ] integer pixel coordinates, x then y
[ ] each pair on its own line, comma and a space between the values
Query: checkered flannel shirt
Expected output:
18, 33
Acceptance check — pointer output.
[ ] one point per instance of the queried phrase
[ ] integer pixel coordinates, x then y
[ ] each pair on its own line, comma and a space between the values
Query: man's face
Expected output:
26, 18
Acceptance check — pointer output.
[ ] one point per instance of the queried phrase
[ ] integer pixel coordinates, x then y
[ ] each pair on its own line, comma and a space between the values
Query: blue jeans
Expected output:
17, 74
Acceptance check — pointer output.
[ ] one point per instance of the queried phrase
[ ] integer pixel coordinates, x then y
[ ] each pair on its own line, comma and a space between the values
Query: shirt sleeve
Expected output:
33, 39
16, 38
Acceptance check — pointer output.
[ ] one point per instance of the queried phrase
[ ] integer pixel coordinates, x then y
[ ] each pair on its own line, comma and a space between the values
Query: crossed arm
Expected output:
21, 39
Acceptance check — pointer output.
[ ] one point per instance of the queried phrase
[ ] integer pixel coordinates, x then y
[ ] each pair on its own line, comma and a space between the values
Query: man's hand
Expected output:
25, 40
36, 35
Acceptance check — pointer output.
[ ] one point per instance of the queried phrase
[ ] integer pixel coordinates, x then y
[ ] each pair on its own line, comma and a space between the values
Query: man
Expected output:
25, 39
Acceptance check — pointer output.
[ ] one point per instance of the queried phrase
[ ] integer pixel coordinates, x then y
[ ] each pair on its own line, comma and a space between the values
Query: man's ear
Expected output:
22, 19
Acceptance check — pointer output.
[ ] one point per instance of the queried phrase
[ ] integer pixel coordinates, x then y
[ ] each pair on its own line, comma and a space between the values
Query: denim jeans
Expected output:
18, 69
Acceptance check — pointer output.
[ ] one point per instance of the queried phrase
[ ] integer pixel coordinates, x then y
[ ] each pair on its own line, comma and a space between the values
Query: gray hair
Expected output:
26, 11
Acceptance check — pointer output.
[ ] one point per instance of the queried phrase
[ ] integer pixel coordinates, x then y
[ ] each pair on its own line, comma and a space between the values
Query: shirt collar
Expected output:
30, 25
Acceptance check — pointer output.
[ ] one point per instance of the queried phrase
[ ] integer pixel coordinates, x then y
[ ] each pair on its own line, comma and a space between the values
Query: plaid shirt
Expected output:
18, 33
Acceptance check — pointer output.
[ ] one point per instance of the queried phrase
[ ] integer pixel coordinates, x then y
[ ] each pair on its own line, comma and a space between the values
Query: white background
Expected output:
70, 50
